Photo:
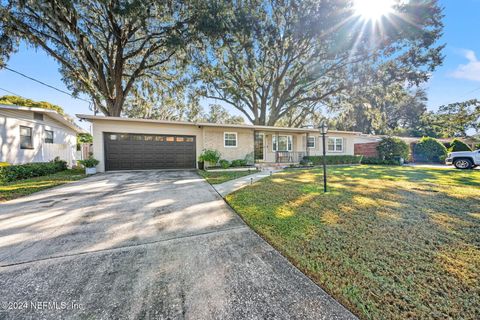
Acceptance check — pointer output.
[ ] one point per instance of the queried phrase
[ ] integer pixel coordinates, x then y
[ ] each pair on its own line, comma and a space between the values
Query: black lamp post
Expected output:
323, 130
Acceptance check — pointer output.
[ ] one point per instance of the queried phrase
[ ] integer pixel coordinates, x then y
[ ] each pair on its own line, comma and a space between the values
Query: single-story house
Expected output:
36, 135
136, 144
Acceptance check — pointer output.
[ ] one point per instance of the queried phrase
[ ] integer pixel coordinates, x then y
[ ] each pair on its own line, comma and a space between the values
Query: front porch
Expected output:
280, 148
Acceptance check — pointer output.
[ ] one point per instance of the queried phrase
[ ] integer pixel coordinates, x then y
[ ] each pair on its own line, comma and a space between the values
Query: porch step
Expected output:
272, 166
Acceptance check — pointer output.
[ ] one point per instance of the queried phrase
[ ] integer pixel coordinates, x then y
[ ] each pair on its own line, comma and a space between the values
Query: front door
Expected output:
259, 146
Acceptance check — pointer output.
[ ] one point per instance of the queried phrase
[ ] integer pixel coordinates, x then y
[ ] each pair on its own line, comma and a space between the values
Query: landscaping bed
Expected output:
20, 188
387, 242
220, 169
216, 177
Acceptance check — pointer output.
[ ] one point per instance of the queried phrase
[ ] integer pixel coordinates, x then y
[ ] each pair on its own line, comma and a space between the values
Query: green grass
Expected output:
223, 176
20, 188
387, 242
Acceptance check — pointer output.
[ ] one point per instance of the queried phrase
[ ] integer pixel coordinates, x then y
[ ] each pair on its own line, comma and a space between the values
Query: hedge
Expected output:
429, 150
30, 170
458, 145
318, 160
390, 148
373, 160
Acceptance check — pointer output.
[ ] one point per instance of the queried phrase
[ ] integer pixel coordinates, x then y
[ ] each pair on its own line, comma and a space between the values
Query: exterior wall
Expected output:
214, 139
64, 143
348, 144
366, 149
101, 126
300, 144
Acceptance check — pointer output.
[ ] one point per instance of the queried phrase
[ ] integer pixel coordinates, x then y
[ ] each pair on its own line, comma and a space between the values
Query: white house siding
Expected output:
64, 145
102, 126
214, 139
348, 144
299, 144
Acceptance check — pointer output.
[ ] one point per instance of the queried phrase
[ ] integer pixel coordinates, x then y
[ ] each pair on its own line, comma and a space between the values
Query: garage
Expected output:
128, 151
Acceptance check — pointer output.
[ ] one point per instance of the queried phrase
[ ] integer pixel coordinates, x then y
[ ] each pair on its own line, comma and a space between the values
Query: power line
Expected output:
45, 84
8, 91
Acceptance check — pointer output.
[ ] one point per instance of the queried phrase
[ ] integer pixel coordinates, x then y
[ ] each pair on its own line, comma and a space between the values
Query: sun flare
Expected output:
373, 9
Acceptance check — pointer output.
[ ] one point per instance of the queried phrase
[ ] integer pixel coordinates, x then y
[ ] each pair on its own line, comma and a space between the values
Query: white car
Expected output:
464, 159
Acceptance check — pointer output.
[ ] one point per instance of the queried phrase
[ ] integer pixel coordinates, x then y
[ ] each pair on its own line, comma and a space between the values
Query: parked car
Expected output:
464, 159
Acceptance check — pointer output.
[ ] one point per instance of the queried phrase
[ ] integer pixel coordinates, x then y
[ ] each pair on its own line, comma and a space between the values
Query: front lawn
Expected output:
217, 177
387, 242
20, 188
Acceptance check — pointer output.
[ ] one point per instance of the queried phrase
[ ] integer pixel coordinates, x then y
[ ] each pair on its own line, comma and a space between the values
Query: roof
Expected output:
51, 113
92, 118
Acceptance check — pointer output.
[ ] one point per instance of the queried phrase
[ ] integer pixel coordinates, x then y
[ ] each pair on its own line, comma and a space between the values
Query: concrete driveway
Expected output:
144, 245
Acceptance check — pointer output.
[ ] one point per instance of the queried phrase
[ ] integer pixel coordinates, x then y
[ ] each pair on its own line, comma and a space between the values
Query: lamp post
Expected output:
323, 130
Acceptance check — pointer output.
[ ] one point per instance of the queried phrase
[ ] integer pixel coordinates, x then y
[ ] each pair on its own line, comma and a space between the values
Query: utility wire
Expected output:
45, 84
8, 91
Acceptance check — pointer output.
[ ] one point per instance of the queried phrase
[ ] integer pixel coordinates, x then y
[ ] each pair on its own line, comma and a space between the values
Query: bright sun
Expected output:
373, 9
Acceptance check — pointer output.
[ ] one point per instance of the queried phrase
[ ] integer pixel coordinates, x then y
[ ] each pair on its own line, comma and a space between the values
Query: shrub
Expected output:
30, 170
458, 145
391, 148
318, 160
89, 163
374, 160
429, 149
239, 163
224, 163
209, 156
4, 164
250, 159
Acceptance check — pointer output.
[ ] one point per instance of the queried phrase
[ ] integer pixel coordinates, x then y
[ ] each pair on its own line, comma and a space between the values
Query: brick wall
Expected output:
366, 149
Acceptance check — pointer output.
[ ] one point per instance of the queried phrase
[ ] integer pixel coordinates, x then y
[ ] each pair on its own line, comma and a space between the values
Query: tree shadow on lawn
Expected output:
386, 243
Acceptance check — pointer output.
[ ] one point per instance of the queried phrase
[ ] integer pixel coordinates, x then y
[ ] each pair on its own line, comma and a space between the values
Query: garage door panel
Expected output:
138, 151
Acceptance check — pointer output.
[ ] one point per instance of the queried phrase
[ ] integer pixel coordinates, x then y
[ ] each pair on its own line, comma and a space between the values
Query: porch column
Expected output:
254, 141
307, 150
276, 151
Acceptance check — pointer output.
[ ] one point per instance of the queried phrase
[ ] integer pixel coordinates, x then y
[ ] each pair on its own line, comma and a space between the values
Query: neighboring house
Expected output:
125, 143
36, 135
365, 145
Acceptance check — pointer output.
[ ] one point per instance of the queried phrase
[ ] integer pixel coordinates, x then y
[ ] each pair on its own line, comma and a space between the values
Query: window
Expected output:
311, 142
48, 136
113, 137
230, 139
38, 116
335, 144
284, 143
26, 138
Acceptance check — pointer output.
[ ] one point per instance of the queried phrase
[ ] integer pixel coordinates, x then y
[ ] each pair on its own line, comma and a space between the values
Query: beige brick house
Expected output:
125, 144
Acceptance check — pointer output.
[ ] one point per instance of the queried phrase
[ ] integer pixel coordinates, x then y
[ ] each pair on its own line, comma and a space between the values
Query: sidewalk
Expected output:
230, 186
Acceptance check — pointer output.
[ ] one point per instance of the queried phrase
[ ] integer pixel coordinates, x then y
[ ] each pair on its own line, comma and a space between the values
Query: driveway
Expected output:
144, 245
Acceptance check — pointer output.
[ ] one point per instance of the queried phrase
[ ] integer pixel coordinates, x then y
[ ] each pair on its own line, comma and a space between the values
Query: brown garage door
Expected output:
146, 151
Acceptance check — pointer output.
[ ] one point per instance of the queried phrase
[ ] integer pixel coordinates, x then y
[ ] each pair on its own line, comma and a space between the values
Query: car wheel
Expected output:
463, 163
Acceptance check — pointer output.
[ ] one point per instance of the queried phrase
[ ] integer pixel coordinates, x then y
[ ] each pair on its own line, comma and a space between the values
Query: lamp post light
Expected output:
323, 130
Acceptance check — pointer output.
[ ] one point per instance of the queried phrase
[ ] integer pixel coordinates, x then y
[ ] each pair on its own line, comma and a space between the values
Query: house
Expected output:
366, 144
36, 135
126, 144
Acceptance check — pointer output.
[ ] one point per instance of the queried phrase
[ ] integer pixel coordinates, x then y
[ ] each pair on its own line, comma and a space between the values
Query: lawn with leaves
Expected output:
217, 177
20, 188
387, 242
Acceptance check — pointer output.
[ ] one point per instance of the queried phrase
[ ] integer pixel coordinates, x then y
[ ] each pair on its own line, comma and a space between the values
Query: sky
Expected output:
458, 79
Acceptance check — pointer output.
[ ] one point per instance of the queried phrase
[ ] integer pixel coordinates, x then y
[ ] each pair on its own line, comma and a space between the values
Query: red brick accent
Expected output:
366, 149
